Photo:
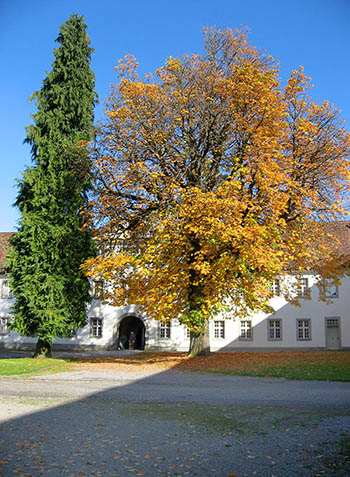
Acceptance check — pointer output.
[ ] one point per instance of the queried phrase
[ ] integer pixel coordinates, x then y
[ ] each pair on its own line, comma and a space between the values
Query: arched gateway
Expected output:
128, 324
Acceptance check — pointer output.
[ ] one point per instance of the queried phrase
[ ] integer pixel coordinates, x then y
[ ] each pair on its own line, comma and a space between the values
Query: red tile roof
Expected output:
4, 237
339, 229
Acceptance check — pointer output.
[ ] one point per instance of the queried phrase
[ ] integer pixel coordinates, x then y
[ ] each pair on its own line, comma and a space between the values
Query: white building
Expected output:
314, 324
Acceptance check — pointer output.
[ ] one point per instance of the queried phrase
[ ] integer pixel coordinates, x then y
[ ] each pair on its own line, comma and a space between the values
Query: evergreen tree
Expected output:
51, 243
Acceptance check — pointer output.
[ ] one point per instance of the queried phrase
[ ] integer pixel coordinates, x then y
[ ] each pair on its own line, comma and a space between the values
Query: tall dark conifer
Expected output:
51, 244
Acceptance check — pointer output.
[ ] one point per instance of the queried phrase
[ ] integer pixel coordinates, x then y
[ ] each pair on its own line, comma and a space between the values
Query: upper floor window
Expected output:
303, 287
329, 289
97, 288
5, 291
276, 287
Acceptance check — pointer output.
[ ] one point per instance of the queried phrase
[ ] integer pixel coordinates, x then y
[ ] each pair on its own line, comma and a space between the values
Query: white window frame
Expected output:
164, 330
96, 327
303, 287
246, 330
327, 286
5, 290
97, 289
303, 329
332, 322
4, 325
274, 328
276, 287
219, 329
187, 332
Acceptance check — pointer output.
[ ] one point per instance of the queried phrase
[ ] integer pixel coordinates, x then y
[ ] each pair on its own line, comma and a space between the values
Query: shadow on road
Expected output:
121, 423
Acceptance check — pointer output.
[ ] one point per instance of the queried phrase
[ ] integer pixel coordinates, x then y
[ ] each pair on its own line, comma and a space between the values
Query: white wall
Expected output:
314, 309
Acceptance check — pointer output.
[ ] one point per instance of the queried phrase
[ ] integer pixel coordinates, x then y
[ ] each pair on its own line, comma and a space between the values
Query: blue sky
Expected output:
312, 33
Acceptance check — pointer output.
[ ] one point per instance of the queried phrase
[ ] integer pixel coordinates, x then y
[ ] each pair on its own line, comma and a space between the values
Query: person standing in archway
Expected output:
132, 339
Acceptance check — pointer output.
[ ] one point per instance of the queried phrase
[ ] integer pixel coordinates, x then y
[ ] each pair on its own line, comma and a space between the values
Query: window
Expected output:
164, 330
276, 287
97, 289
219, 329
329, 289
96, 327
304, 290
304, 330
5, 291
4, 325
332, 323
246, 330
71, 334
187, 333
274, 330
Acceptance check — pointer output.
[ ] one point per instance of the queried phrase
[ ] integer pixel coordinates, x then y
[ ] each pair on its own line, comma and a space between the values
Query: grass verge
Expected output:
300, 365
20, 366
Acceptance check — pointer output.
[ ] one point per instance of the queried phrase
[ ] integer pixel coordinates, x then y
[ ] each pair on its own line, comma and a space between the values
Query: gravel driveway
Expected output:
124, 423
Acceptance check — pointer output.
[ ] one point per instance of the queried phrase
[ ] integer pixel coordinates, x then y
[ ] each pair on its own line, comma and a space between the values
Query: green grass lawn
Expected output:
310, 365
9, 367
298, 371
300, 365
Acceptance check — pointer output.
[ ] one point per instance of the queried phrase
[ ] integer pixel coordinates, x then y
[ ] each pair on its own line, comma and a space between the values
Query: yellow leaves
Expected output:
202, 268
173, 64
211, 177
127, 66
298, 83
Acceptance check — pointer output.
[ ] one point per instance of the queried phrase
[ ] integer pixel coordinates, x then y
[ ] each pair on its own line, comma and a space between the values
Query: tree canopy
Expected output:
51, 243
211, 180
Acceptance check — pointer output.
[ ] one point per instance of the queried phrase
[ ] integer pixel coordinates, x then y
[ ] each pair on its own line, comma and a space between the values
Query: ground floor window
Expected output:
72, 334
246, 332
187, 333
164, 330
219, 329
274, 330
332, 322
96, 327
4, 325
5, 291
304, 329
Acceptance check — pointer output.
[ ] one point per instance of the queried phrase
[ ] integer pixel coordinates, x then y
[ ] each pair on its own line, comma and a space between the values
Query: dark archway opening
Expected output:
128, 324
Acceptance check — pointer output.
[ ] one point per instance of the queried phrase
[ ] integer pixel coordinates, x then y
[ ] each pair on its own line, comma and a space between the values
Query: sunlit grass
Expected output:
301, 365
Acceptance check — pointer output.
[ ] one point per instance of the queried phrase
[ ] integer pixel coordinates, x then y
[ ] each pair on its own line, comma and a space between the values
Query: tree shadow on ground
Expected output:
122, 422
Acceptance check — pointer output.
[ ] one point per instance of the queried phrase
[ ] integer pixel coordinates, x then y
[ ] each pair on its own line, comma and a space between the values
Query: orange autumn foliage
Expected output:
211, 181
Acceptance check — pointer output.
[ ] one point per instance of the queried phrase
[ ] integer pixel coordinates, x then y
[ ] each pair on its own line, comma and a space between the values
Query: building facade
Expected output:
313, 324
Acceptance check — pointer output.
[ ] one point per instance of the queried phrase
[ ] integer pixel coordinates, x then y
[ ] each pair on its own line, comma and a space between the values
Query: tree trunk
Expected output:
43, 349
200, 343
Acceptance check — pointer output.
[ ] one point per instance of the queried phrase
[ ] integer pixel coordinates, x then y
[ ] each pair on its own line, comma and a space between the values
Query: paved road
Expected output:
172, 423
